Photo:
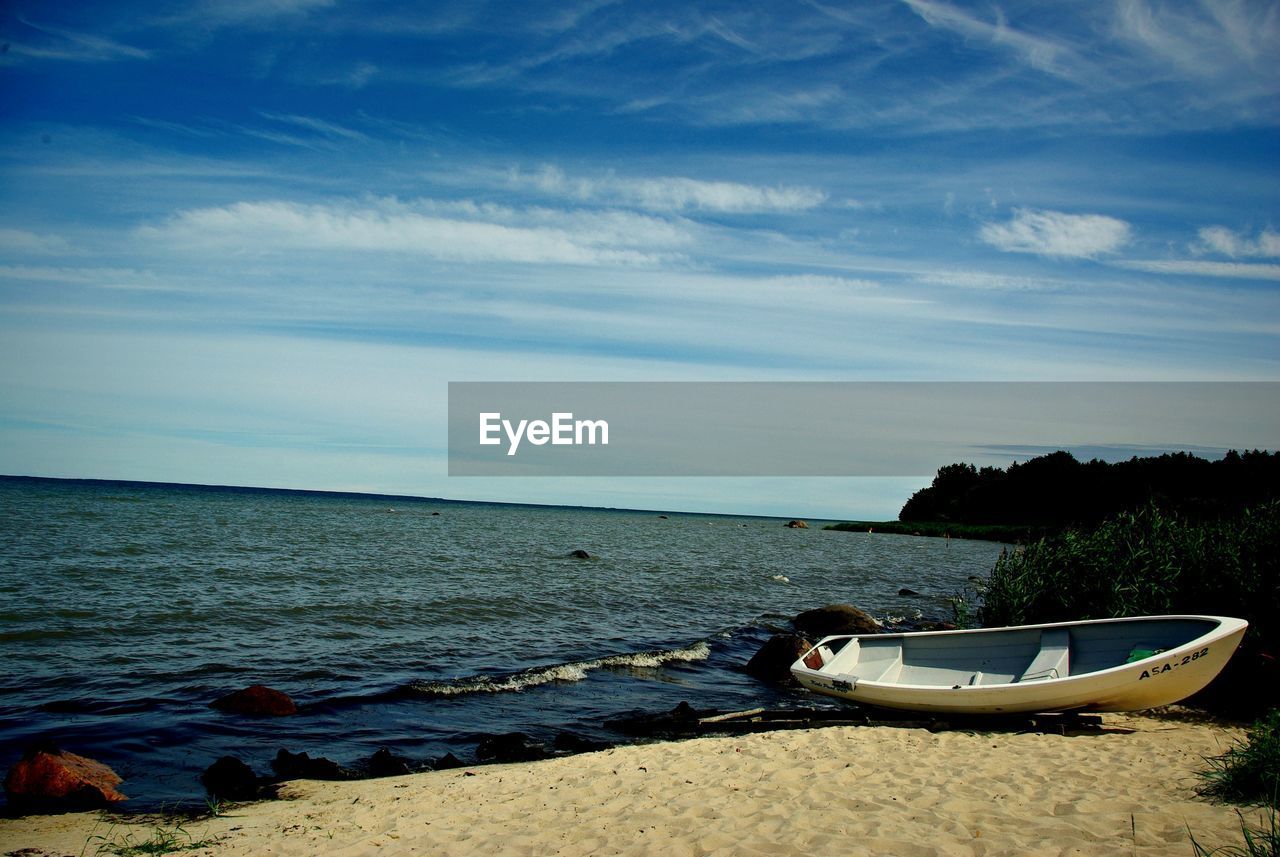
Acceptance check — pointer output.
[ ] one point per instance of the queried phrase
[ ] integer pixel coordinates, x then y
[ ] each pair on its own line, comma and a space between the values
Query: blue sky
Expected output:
251, 242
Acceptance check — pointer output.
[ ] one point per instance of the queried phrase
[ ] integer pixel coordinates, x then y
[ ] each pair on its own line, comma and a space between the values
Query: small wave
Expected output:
560, 672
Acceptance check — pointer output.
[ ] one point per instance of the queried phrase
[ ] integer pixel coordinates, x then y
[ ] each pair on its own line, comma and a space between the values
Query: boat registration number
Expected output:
1171, 665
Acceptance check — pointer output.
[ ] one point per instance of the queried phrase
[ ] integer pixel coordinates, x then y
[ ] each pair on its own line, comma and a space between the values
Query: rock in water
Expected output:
834, 619
580, 554
907, 593
511, 747
384, 763
300, 766
48, 778
773, 661
448, 762
256, 701
230, 779
567, 742
796, 525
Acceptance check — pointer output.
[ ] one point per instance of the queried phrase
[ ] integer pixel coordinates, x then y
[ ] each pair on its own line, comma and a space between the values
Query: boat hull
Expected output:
1161, 678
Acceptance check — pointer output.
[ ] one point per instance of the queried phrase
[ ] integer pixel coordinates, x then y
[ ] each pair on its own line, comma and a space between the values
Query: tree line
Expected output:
1057, 490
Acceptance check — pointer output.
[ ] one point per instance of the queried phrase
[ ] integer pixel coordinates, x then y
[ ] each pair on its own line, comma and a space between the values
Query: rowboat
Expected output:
1094, 665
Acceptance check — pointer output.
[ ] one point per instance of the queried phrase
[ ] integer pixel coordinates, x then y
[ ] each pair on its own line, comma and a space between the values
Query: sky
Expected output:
251, 241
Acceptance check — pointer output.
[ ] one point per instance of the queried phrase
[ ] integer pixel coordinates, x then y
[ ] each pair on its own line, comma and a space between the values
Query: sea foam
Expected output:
576, 671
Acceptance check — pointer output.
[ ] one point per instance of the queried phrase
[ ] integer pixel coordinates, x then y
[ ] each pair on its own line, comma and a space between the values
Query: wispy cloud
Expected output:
1054, 57
240, 11
20, 241
673, 193
1053, 233
331, 130
1227, 242
1202, 268
453, 232
106, 278
1205, 40
58, 43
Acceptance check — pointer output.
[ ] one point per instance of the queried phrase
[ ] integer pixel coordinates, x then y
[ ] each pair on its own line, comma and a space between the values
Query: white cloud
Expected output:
1199, 268
62, 44
31, 243
1223, 40
1227, 242
1053, 233
987, 282
231, 11
330, 130
675, 193
1054, 57
460, 232
132, 279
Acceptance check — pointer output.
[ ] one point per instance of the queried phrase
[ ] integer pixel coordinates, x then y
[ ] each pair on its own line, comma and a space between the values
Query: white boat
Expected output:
1095, 665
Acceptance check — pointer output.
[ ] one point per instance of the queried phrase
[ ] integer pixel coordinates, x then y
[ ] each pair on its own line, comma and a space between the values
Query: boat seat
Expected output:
1054, 658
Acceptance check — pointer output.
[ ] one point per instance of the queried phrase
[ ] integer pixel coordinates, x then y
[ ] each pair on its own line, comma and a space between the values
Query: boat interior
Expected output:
1004, 656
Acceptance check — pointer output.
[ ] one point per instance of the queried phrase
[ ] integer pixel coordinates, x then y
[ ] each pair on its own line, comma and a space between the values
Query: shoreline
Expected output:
1126, 788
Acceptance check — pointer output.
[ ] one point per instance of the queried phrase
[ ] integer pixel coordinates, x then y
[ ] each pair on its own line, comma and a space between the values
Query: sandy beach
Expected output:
1127, 789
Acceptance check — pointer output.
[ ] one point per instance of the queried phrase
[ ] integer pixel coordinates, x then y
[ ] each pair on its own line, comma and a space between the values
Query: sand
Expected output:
1126, 790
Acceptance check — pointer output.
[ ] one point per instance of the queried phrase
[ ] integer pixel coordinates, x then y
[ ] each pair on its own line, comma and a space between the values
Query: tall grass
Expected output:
1154, 562
1248, 772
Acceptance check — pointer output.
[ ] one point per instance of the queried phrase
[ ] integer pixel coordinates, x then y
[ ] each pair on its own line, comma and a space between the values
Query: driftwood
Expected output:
684, 721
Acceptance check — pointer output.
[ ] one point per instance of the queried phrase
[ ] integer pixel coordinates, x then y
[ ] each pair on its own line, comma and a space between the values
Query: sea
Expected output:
417, 625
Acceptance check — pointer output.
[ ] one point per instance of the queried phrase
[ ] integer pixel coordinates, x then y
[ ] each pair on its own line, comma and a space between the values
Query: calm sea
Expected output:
418, 625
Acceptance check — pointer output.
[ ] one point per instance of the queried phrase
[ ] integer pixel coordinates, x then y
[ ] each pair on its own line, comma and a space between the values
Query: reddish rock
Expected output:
47, 776
835, 619
796, 525
256, 701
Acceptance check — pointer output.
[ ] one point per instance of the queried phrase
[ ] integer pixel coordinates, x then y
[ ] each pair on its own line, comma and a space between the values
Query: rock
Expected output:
796, 525
567, 742
937, 625
773, 661
580, 554
384, 763
684, 712
435, 514
230, 779
256, 701
907, 592
681, 720
663, 517
300, 766
448, 762
511, 747
834, 619
48, 778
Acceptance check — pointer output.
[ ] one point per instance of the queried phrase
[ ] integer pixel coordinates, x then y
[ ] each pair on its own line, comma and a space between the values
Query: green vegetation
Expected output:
1248, 772
162, 840
1261, 841
1153, 562
1056, 491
